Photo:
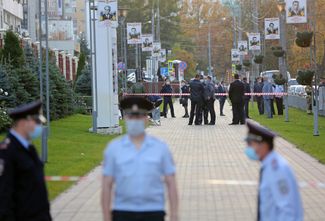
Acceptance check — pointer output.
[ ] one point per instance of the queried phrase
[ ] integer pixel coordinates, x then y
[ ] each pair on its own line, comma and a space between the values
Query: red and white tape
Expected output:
302, 184
187, 94
64, 178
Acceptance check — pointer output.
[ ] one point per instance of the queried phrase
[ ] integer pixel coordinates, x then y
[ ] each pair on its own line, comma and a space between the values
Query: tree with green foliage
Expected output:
12, 52
81, 64
61, 94
83, 83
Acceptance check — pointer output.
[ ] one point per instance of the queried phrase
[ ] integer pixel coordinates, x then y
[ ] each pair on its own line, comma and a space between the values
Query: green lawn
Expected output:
299, 130
73, 151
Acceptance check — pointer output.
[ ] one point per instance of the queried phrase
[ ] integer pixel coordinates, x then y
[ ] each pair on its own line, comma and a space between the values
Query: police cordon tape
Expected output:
187, 94
302, 184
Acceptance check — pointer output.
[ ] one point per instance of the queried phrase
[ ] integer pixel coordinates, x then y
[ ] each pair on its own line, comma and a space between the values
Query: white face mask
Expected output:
135, 127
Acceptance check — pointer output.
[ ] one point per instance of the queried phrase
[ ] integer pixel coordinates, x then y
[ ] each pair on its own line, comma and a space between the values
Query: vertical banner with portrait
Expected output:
296, 11
107, 14
147, 41
156, 49
242, 47
272, 28
60, 7
163, 55
254, 41
235, 56
134, 33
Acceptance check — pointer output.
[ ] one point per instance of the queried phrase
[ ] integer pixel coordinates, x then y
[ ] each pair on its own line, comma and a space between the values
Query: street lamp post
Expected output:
122, 17
282, 60
209, 50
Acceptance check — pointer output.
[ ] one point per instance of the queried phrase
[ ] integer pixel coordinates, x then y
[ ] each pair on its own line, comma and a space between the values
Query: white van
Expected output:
269, 74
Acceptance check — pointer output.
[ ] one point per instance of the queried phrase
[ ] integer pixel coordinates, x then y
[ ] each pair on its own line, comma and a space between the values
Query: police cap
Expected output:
258, 133
28, 111
135, 105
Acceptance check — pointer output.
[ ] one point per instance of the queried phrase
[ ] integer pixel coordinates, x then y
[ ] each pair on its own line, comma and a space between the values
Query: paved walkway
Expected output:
216, 181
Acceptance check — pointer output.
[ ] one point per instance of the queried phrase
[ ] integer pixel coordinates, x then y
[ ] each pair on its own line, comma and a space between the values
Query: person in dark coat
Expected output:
167, 89
236, 95
209, 97
196, 96
247, 97
258, 88
184, 99
23, 193
221, 89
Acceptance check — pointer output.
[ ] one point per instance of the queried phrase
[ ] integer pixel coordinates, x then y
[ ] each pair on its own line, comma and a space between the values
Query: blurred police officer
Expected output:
278, 196
23, 194
136, 163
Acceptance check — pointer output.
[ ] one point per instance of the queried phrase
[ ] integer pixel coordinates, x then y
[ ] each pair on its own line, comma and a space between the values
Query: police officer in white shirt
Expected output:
278, 195
139, 166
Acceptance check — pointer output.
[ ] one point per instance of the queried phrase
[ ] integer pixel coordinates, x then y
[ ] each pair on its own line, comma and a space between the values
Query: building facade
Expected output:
11, 14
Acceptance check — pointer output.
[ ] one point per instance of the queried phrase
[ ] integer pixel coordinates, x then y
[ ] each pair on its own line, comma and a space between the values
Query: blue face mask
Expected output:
251, 153
135, 127
36, 133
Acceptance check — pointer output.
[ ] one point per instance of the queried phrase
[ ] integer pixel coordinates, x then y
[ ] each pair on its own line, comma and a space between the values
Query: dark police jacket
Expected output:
237, 91
197, 90
247, 90
167, 89
23, 194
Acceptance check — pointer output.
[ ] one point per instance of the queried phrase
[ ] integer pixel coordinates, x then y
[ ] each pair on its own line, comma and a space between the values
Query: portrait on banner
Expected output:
107, 14
254, 41
296, 11
147, 42
242, 47
235, 56
272, 28
134, 33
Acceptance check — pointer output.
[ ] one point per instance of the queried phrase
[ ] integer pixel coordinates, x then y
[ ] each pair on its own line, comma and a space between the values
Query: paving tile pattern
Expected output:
204, 155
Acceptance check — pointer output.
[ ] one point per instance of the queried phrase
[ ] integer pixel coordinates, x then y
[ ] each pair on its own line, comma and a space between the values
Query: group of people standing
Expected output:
265, 103
202, 92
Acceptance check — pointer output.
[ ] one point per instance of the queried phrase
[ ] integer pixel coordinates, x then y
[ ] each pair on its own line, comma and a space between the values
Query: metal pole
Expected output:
93, 93
95, 59
234, 30
283, 60
209, 50
158, 21
137, 62
44, 134
316, 92
47, 129
125, 54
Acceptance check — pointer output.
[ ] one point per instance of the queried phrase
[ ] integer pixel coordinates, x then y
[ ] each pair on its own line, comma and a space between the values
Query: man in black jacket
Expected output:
236, 95
23, 191
247, 97
258, 88
167, 89
196, 90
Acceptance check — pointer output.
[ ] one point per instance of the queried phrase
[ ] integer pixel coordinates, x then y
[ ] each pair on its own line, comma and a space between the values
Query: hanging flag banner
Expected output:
242, 47
134, 33
60, 8
156, 49
254, 41
235, 56
163, 55
107, 14
147, 41
296, 11
272, 28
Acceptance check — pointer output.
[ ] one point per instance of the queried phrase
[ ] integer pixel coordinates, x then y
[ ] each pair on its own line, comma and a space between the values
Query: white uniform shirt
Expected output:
138, 173
279, 193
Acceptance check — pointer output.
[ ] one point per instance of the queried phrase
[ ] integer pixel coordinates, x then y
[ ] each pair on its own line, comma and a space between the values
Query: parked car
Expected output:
292, 82
297, 90
269, 74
